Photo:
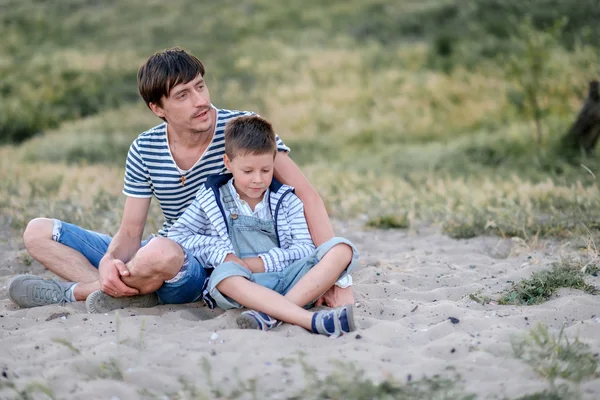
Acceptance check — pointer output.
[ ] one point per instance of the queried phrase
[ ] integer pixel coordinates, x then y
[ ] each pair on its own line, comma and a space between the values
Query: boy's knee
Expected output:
344, 253
37, 229
229, 284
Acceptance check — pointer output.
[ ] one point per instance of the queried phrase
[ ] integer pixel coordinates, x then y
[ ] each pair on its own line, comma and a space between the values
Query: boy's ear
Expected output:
227, 162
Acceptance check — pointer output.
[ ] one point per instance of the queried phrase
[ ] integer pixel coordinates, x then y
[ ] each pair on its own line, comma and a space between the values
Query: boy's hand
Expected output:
233, 258
256, 264
336, 297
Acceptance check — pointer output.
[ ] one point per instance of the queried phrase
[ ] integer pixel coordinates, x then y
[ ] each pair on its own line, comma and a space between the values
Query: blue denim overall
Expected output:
251, 236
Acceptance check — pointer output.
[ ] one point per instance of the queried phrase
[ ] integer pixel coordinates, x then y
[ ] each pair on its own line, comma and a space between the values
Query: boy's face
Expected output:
187, 109
252, 175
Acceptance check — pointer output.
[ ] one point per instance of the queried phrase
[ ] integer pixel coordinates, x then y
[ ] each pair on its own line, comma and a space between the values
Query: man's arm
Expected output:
123, 247
286, 171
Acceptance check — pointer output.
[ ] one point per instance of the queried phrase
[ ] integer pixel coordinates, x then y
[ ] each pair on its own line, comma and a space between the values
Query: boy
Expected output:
251, 229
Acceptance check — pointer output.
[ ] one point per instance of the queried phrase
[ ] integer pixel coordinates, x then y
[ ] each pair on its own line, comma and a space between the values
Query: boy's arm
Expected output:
302, 245
193, 231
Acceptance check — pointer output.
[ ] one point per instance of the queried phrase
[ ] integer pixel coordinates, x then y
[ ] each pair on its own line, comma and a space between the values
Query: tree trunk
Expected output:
584, 133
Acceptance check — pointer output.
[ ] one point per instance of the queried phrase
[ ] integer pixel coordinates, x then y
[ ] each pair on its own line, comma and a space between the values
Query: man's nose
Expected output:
199, 100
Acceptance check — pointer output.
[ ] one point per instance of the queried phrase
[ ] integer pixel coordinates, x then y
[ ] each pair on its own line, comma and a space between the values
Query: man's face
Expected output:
252, 175
187, 109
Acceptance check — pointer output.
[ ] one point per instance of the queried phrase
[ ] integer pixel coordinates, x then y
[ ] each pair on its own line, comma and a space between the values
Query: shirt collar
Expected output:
236, 196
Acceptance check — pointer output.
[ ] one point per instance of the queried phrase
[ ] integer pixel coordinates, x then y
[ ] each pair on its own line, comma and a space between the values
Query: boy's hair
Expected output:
164, 70
249, 135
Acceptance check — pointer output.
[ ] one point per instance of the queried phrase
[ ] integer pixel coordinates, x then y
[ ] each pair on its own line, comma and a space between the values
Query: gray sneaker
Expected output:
99, 302
31, 291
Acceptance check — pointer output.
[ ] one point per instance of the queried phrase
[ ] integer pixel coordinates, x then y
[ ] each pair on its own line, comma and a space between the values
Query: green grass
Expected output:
389, 222
555, 357
87, 63
345, 382
399, 112
542, 285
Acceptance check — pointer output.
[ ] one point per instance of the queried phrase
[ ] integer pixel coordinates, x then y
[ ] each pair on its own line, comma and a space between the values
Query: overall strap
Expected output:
228, 201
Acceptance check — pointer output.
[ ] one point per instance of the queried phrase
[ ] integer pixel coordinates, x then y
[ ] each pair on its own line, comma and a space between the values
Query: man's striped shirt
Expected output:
150, 168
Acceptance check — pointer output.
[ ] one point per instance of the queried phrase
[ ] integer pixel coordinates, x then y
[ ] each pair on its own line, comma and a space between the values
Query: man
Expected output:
169, 162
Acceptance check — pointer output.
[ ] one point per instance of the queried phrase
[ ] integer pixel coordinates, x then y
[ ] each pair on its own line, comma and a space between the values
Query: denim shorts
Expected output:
185, 287
282, 281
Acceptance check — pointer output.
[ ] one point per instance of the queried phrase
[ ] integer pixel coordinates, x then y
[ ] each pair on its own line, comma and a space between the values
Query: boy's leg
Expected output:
337, 257
250, 294
233, 286
265, 300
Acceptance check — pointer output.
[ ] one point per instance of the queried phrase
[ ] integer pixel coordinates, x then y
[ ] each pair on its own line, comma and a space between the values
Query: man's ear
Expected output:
227, 162
157, 110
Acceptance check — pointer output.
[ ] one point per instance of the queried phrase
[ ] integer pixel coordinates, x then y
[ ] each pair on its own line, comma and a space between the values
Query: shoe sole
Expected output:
246, 322
10, 287
99, 302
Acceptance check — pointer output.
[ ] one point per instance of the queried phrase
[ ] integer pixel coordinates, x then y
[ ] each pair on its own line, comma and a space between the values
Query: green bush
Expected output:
39, 99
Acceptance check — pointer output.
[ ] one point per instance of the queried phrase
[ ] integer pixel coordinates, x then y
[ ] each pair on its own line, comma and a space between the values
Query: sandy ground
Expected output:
407, 287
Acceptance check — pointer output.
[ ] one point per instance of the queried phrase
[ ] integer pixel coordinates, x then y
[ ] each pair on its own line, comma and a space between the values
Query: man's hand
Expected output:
336, 297
233, 258
110, 271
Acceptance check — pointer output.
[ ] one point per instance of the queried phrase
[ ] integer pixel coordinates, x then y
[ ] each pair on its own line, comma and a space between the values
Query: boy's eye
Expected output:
181, 96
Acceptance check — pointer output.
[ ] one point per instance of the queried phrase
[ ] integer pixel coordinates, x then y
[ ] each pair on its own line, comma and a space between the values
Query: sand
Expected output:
408, 286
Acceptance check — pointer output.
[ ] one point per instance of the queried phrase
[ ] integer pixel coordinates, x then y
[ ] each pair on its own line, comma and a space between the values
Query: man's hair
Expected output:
164, 70
249, 135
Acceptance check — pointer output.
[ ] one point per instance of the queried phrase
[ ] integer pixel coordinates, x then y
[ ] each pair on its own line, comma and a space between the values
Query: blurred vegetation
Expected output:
416, 110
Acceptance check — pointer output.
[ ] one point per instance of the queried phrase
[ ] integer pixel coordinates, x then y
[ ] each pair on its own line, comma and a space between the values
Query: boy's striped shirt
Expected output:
150, 168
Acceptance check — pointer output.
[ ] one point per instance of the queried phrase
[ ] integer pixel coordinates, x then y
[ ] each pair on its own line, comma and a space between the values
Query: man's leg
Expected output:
69, 251
64, 261
155, 267
158, 261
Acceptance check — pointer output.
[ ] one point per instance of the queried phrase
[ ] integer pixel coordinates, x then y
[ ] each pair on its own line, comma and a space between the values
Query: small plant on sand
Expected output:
465, 226
67, 344
29, 392
348, 383
111, 369
389, 222
543, 284
556, 357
